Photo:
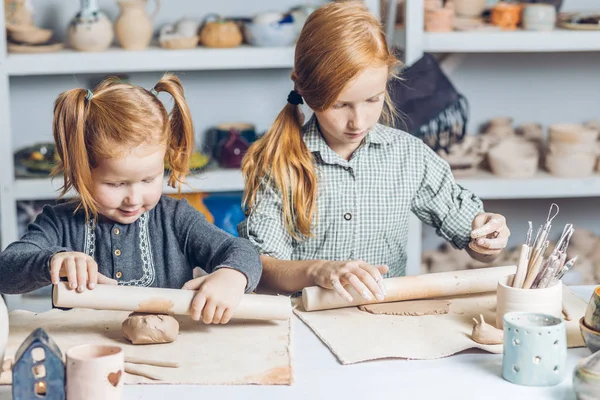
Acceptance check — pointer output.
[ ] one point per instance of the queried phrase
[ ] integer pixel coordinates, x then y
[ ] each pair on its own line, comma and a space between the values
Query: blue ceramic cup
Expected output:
535, 349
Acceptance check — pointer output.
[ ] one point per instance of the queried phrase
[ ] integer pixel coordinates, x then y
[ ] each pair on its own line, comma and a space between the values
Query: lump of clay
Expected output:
484, 333
140, 328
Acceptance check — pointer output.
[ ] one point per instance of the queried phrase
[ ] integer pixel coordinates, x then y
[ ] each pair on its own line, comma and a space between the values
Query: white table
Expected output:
318, 375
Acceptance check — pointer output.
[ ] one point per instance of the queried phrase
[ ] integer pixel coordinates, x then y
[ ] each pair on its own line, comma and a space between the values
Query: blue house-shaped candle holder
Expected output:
38, 369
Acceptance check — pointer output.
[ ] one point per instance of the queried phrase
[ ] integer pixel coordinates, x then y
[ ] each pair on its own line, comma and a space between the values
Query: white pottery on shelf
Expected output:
90, 29
514, 158
539, 17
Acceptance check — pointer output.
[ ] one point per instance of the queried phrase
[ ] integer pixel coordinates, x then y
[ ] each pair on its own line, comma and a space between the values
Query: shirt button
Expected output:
117, 252
119, 275
347, 216
116, 231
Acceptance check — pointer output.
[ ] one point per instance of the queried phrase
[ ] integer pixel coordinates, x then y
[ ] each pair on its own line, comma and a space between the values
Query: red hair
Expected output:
337, 43
116, 119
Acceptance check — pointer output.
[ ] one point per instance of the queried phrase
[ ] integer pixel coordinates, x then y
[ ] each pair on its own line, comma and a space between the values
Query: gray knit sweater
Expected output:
160, 249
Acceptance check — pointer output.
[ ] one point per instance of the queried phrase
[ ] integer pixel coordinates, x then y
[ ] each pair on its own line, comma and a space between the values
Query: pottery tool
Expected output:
165, 301
134, 370
156, 363
522, 267
535, 268
426, 286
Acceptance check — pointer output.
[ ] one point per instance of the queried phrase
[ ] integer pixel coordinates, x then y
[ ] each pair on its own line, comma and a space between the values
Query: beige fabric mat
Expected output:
241, 352
355, 336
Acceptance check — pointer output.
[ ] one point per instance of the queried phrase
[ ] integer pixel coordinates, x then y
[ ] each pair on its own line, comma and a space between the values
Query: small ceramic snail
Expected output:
484, 333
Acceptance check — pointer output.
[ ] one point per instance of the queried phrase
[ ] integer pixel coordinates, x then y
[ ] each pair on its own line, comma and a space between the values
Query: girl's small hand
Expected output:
365, 278
490, 234
80, 269
218, 296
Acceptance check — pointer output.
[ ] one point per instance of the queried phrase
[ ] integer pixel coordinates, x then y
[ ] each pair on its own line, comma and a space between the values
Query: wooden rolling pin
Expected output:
165, 301
453, 283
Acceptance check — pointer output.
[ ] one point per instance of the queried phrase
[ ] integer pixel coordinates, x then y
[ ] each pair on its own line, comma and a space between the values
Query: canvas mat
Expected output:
241, 352
355, 336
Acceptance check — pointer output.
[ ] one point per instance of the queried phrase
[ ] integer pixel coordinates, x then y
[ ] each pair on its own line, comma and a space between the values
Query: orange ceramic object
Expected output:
507, 16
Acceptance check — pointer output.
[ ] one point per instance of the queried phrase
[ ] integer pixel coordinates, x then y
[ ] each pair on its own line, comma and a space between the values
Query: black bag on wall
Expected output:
429, 105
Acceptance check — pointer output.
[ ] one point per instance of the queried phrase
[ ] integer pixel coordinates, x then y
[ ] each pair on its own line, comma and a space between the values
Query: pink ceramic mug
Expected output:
95, 372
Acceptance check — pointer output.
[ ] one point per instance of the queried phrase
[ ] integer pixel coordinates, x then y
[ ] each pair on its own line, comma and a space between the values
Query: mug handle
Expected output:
156, 9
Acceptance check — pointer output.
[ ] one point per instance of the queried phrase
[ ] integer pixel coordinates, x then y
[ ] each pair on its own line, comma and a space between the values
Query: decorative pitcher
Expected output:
134, 26
90, 29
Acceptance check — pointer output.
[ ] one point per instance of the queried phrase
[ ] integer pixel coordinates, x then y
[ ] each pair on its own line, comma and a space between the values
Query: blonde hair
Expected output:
112, 120
337, 43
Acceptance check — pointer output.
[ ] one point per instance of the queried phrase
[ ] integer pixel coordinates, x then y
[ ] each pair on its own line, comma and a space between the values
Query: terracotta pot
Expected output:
506, 15
90, 29
3, 329
571, 166
95, 372
545, 301
469, 8
134, 26
439, 20
221, 34
514, 159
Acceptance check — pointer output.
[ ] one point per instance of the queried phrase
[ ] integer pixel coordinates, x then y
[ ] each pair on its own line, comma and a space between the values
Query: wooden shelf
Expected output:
559, 40
215, 180
152, 59
490, 187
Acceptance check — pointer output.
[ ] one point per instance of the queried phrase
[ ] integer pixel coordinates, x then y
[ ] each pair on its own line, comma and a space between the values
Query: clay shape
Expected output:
514, 159
586, 378
484, 333
409, 308
141, 328
95, 372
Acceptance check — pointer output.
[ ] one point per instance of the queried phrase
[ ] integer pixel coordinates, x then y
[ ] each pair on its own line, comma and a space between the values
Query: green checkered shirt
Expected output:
364, 203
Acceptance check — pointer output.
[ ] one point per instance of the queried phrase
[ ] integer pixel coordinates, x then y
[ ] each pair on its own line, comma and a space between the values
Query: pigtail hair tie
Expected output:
294, 98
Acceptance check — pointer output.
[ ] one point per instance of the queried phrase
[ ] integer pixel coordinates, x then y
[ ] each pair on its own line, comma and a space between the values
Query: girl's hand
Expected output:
365, 278
80, 269
218, 296
490, 234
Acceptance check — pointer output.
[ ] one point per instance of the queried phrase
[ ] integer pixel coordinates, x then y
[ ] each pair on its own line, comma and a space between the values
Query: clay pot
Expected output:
539, 17
469, 8
221, 34
465, 157
572, 133
571, 165
3, 330
439, 20
90, 29
545, 300
30, 35
500, 127
514, 159
531, 131
95, 372
134, 26
506, 15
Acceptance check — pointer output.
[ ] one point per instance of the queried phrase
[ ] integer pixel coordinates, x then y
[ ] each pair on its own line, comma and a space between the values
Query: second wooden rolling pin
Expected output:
426, 286
165, 301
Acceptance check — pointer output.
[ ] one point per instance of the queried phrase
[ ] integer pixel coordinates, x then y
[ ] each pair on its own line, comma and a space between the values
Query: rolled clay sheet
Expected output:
426, 286
165, 301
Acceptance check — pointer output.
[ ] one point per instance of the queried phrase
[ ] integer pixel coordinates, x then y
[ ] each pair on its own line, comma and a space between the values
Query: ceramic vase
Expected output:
535, 349
586, 378
134, 26
90, 29
539, 17
95, 372
545, 301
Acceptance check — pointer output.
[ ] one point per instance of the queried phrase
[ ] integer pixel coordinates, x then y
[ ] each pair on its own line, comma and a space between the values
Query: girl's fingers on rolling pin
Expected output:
106, 280
71, 267
82, 274
209, 311
55, 266
339, 288
377, 274
218, 315
357, 284
92, 269
227, 315
370, 282
197, 306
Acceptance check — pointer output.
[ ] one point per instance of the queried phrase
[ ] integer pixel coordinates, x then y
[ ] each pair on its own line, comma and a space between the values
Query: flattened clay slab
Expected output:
408, 308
